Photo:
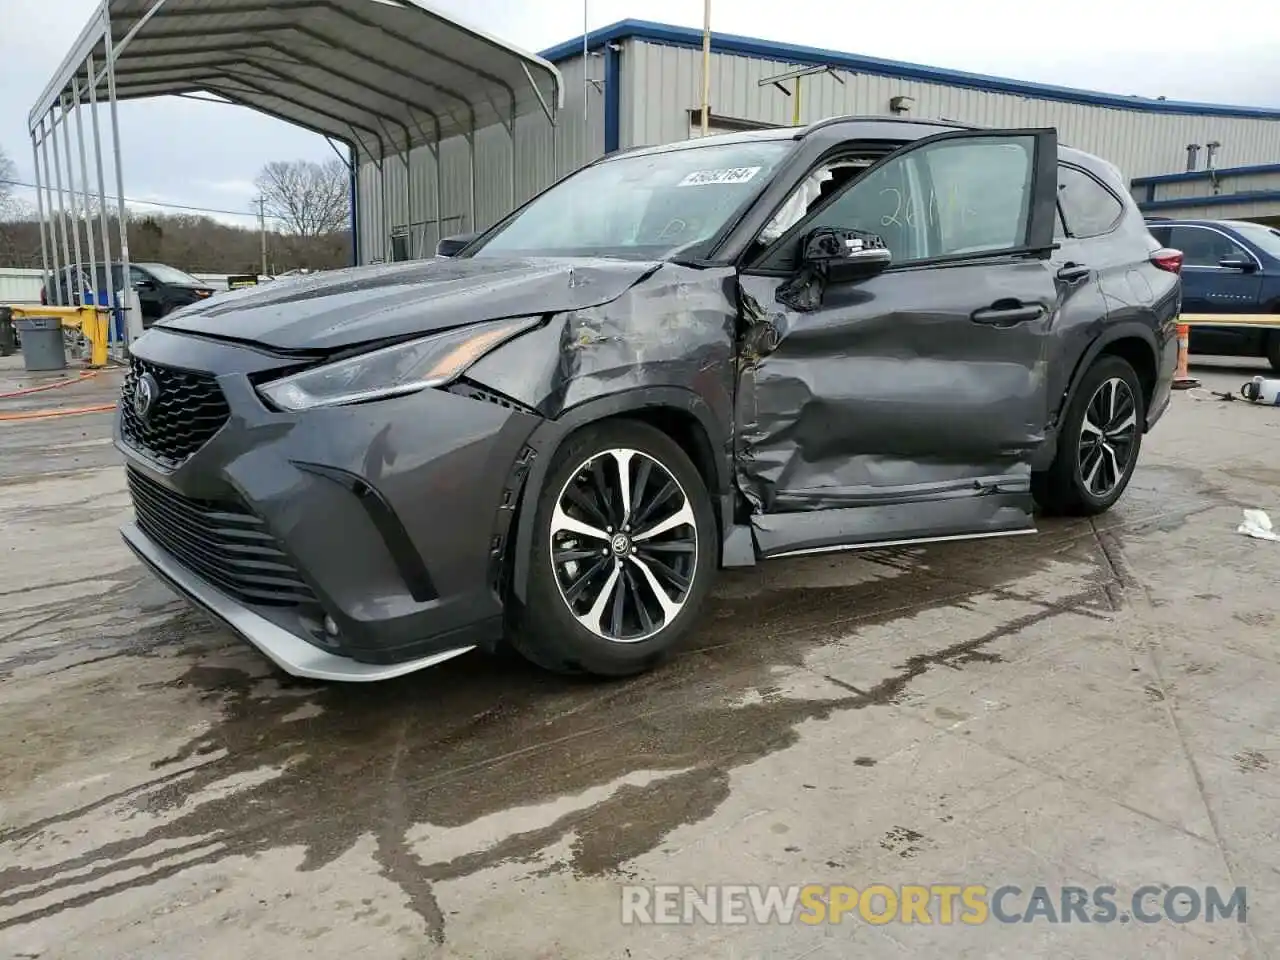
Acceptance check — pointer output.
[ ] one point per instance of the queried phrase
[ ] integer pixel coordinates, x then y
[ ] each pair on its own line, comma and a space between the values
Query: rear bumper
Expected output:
290, 653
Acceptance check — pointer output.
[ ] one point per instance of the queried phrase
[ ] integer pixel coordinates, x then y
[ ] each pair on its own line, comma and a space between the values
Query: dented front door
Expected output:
907, 405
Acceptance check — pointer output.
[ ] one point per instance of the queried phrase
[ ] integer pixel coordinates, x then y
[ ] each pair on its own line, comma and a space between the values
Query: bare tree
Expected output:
8, 174
310, 199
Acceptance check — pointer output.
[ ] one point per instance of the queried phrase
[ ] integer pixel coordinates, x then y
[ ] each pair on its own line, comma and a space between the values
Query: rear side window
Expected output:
1089, 208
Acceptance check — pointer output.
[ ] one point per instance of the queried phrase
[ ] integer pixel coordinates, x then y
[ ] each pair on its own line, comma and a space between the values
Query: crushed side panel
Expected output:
674, 328
887, 392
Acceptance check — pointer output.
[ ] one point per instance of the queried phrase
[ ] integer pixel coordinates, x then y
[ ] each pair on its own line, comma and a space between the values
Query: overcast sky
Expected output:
207, 155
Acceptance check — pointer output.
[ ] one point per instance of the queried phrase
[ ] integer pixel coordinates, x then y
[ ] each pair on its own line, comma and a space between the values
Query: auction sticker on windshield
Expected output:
727, 175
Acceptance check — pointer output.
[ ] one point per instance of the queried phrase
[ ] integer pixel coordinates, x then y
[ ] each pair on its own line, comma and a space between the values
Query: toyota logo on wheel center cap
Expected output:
621, 544
145, 393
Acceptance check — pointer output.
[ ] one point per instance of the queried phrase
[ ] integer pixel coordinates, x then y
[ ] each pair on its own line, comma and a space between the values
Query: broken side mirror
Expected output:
841, 255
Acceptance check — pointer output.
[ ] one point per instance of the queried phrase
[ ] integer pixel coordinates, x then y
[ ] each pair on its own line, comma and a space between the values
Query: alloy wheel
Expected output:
1108, 435
624, 545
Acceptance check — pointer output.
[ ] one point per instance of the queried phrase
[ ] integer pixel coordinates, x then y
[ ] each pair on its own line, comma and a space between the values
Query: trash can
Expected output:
8, 340
42, 345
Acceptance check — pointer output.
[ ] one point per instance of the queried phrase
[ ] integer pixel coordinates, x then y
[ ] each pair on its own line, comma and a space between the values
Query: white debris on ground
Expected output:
1258, 525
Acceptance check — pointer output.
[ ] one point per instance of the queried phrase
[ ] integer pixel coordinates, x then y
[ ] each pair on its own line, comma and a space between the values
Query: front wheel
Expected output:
1098, 444
623, 555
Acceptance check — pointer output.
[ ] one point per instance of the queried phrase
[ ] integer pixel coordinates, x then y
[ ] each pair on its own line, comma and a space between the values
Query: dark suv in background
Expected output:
864, 332
1228, 266
161, 288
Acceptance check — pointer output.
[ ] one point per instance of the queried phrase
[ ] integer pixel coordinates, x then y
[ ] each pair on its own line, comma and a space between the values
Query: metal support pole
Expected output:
262, 232
131, 324
84, 189
64, 279
44, 246
514, 171
388, 248
706, 67
71, 196
103, 220
55, 260
74, 204
471, 150
439, 178
408, 189
586, 87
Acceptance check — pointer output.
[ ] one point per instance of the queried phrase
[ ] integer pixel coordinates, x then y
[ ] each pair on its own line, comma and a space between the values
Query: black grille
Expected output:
220, 541
188, 409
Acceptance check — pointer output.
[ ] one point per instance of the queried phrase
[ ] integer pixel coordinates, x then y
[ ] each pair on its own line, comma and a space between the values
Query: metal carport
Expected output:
380, 76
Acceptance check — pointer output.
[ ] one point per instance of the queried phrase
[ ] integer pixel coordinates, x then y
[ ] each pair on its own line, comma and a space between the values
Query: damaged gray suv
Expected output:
679, 358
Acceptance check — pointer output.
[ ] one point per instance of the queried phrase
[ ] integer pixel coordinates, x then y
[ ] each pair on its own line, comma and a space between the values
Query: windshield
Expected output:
1265, 238
648, 207
170, 275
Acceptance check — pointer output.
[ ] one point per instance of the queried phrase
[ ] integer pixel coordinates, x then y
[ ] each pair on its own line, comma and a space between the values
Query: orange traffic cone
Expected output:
1182, 379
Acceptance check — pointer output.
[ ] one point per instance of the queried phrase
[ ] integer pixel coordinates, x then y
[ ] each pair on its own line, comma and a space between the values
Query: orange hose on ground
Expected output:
49, 386
65, 412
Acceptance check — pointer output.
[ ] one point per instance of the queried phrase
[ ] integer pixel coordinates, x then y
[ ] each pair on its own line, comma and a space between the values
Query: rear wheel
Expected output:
1098, 444
623, 554
1273, 350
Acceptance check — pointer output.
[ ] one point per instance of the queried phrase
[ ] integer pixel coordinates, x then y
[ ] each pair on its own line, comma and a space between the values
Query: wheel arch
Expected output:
679, 413
1132, 342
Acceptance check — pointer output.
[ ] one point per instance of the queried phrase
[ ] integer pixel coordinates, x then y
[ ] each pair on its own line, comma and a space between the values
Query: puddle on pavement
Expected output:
481, 735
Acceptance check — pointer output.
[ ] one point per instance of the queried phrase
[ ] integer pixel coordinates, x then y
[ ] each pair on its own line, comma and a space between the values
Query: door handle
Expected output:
1002, 316
1071, 272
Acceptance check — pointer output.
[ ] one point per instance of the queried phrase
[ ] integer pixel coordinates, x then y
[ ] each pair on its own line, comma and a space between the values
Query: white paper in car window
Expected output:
700, 178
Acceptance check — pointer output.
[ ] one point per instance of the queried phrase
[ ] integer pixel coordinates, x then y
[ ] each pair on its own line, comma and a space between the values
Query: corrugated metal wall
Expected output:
665, 83
393, 203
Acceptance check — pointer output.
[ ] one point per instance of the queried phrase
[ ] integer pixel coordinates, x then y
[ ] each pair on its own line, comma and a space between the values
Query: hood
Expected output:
342, 308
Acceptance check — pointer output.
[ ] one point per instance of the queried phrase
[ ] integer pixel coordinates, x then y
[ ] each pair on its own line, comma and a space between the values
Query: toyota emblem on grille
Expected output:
145, 393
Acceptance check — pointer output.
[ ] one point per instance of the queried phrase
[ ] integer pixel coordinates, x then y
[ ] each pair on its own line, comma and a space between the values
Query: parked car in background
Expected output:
161, 288
1229, 266
679, 358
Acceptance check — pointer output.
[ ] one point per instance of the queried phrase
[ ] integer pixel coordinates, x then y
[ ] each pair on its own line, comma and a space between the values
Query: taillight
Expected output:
1166, 258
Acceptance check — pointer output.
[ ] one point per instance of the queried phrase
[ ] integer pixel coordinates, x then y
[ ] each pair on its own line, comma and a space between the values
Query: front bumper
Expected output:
286, 650
386, 520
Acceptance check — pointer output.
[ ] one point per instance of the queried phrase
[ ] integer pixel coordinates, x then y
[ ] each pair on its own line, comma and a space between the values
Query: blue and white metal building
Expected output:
641, 83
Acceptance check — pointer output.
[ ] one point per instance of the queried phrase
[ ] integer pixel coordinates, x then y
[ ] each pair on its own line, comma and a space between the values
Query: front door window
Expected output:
949, 198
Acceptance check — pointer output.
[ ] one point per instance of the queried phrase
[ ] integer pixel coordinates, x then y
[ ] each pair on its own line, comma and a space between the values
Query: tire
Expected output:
1072, 486
558, 637
1273, 350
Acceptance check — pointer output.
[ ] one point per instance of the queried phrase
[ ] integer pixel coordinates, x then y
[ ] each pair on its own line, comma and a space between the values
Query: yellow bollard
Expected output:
93, 322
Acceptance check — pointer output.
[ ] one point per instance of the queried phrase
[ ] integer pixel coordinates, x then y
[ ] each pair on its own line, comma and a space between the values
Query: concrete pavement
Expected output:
1092, 705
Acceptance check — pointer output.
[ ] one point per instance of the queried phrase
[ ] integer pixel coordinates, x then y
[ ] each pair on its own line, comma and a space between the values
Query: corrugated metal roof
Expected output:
790, 53
390, 72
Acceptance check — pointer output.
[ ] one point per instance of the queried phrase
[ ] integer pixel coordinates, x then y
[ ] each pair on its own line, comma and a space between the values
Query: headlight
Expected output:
392, 371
